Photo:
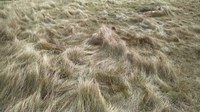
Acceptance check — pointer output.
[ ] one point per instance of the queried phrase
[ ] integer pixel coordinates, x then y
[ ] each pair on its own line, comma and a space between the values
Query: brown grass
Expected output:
97, 56
109, 41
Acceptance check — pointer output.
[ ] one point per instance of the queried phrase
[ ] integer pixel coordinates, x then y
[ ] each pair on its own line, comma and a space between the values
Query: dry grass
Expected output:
98, 56
108, 41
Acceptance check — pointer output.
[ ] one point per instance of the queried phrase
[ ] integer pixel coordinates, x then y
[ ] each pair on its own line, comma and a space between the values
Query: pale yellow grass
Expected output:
95, 56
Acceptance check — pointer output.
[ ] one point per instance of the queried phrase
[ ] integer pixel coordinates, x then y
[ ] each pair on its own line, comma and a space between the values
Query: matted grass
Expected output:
99, 56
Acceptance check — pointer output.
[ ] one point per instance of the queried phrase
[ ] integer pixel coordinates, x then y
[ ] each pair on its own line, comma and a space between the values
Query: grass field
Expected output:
99, 56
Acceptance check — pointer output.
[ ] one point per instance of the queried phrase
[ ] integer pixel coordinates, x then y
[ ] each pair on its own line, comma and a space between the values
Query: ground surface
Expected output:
100, 56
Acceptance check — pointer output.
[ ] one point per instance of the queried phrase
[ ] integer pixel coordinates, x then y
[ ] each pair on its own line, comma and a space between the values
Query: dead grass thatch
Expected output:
136, 59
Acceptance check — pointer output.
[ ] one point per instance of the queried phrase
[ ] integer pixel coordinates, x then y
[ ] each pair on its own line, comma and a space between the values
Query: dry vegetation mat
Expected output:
99, 56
